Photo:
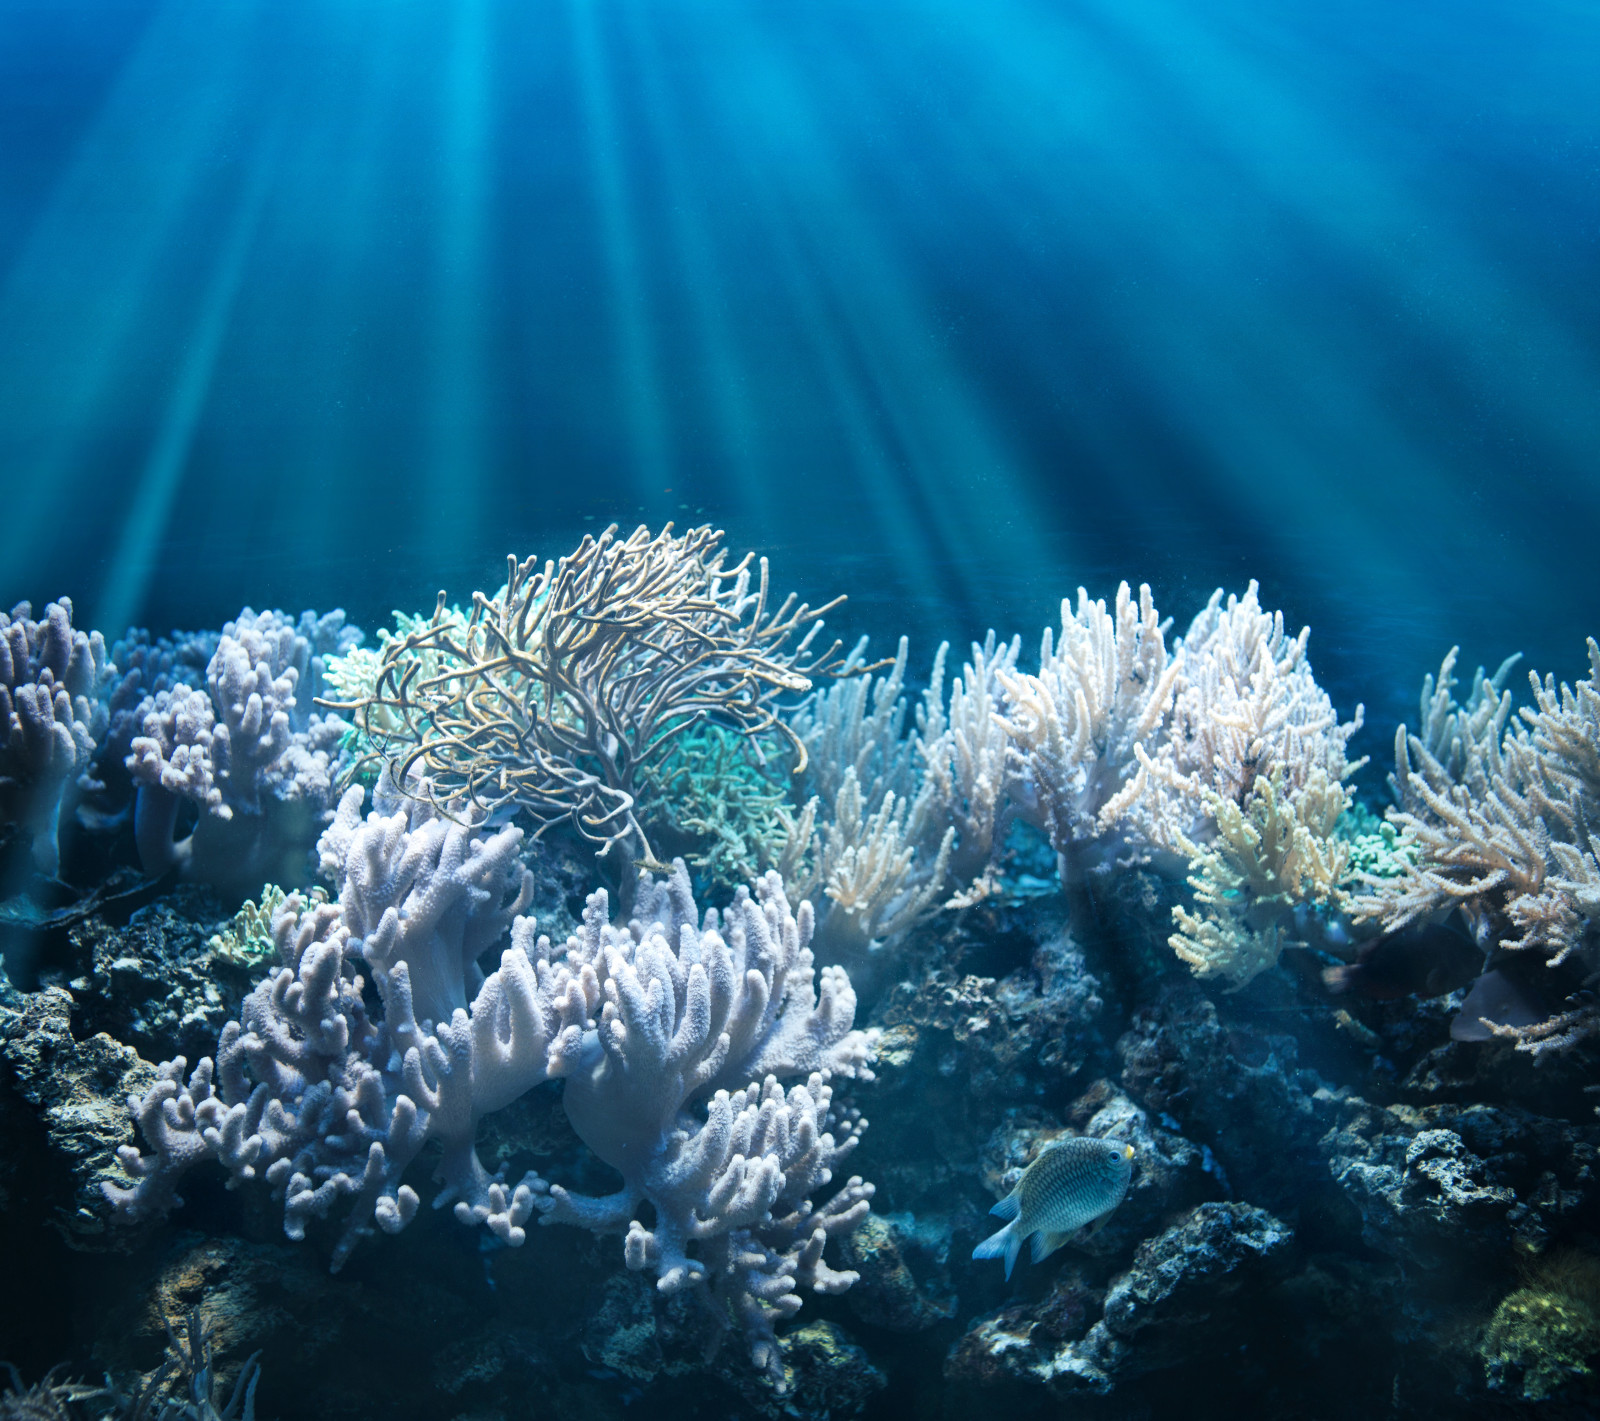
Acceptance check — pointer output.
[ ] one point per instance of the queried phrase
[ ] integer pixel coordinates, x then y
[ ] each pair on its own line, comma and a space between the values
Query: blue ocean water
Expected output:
949, 307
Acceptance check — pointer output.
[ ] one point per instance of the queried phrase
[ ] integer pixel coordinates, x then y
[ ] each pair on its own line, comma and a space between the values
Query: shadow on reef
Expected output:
1131, 897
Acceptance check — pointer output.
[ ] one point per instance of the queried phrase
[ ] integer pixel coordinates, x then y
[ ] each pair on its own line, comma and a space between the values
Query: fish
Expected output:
1420, 959
1071, 1185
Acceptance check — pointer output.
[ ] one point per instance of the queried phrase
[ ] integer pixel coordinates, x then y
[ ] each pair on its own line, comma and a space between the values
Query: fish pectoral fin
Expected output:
1090, 1229
1044, 1243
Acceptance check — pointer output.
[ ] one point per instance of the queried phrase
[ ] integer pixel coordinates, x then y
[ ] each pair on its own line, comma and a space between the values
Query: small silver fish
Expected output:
1071, 1184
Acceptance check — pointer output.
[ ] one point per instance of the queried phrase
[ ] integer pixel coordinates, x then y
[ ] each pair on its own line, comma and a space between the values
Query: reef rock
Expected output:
79, 1092
1178, 1302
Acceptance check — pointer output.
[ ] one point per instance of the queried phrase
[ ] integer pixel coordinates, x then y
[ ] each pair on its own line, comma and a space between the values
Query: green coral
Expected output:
1545, 1334
247, 940
729, 792
1376, 848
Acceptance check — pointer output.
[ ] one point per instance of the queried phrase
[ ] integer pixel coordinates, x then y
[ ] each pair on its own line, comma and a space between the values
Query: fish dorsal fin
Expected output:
1009, 1207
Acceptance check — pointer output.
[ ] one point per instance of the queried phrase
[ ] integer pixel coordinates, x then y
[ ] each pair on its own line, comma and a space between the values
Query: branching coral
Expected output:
247, 751
1099, 695
963, 748
1245, 706
1501, 816
719, 1011
728, 792
1269, 864
648, 1021
869, 868
330, 1106
572, 678
51, 717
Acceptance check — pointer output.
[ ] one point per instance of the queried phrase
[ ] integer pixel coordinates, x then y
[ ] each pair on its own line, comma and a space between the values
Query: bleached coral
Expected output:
52, 715
1100, 694
963, 748
247, 751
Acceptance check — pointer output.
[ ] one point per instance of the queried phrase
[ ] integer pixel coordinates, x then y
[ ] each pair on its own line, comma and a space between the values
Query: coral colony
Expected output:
775, 834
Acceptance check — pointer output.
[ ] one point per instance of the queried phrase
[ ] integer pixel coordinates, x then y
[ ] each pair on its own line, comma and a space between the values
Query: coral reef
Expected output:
1501, 816
1364, 1184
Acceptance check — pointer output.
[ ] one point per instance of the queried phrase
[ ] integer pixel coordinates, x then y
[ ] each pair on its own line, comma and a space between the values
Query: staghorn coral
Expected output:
574, 677
246, 750
52, 715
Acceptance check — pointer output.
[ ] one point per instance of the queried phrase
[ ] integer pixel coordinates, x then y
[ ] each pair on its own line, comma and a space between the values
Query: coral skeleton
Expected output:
52, 715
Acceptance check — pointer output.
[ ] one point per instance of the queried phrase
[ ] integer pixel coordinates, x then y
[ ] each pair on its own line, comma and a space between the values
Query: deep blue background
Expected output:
949, 306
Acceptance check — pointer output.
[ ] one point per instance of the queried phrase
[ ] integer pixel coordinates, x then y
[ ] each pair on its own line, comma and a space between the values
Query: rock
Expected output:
79, 1091
888, 1294
1177, 1303
156, 984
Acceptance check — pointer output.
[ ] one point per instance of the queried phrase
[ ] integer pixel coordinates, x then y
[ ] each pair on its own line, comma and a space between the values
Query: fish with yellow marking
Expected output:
1071, 1185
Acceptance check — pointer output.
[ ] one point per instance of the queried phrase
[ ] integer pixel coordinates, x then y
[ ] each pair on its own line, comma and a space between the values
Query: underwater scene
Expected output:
746, 710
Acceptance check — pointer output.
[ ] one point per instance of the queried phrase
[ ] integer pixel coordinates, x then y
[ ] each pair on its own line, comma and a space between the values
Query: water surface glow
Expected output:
951, 306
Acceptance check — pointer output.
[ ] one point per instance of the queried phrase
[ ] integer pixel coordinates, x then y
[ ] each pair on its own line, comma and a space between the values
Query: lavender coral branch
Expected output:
693, 1011
246, 751
51, 718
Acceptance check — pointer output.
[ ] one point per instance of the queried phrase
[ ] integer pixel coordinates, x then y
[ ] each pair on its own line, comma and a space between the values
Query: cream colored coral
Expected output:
1104, 690
868, 869
1272, 858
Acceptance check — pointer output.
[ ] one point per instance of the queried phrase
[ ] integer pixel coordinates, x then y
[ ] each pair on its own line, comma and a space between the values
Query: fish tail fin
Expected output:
1013, 1248
1002, 1243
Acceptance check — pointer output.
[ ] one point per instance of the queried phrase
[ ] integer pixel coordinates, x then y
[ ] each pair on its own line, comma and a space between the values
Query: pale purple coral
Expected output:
718, 1011
51, 717
247, 751
330, 1106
